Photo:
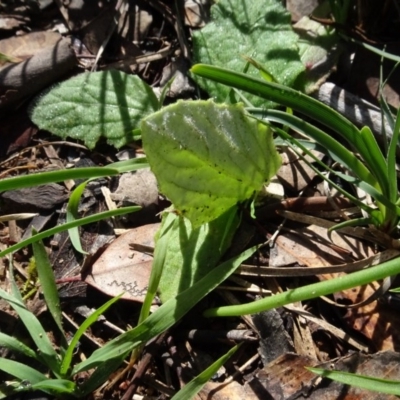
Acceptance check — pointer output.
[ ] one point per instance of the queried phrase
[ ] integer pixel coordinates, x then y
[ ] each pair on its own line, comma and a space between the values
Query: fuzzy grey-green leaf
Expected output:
207, 157
260, 29
89, 106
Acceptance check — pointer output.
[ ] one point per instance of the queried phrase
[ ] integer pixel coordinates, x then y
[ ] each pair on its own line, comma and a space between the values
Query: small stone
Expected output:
37, 198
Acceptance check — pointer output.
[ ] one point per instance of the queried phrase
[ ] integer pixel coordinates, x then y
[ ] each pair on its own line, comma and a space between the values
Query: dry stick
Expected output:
212, 336
377, 259
144, 363
18, 81
174, 20
360, 112
329, 328
302, 204
357, 232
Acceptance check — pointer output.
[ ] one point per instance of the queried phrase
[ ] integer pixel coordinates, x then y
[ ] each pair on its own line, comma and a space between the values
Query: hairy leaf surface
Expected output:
90, 106
260, 29
208, 157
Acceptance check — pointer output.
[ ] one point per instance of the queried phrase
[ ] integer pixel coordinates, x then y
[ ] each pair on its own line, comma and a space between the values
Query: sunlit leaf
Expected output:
208, 157
260, 29
89, 106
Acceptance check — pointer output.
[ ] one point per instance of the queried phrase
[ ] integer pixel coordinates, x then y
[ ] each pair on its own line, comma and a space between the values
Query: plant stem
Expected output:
359, 278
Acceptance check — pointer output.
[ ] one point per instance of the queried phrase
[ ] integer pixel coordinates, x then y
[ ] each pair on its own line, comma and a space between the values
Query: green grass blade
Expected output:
72, 215
287, 140
14, 288
164, 92
378, 196
129, 165
387, 113
355, 279
282, 95
376, 161
46, 351
42, 178
391, 161
82, 221
334, 148
166, 316
196, 384
55, 386
16, 346
66, 362
374, 49
351, 223
361, 381
294, 144
157, 266
21, 371
48, 284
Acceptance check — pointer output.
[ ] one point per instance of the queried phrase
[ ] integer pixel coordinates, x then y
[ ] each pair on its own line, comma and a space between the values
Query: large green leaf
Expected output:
192, 253
208, 157
260, 29
107, 104
48, 284
166, 316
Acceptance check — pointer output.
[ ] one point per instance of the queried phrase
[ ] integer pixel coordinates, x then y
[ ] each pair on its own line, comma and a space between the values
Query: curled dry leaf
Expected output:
122, 269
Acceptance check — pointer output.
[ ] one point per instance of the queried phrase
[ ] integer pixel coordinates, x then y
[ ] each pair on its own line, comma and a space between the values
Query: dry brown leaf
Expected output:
121, 269
313, 247
223, 391
25, 46
286, 376
375, 321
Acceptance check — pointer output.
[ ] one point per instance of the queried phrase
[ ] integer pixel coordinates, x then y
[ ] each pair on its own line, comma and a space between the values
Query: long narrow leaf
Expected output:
129, 165
48, 284
90, 320
72, 215
21, 371
157, 266
16, 346
361, 381
391, 161
335, 149
42, 178
386, 113
36, 331
196, 384
287, 97
82, 221
56, 386
166, 316
351, 223
376, 161
294, 143
379, 197
374, 49
355, 279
